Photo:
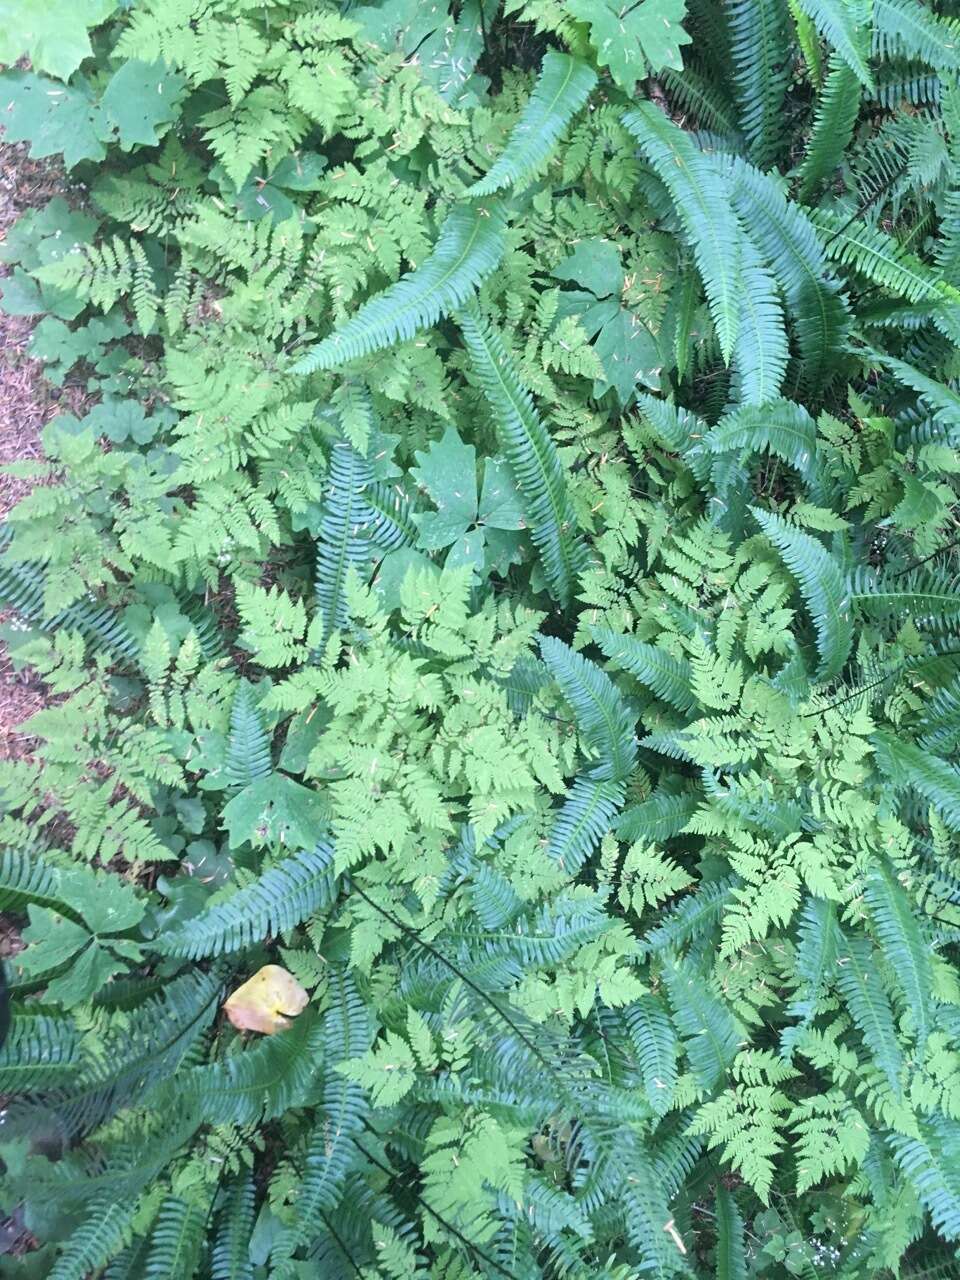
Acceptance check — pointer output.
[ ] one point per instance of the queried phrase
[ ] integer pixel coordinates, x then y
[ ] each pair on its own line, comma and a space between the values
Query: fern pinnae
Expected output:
910, 30
702, 201
731, 1262
177, 1238
468, 250
901, 940
107, 1227
822, 586
781, 427
761, 59
344, 537
230, 1256
838, 105
562, 87
761, 350
585, 817
880, 258
670, 678
602, 716
532, 454
248, 746
846, 24
789, 244
281, 897
858, 978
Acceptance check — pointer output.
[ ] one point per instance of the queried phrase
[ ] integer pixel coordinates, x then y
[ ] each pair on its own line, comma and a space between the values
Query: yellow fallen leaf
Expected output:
267, 1001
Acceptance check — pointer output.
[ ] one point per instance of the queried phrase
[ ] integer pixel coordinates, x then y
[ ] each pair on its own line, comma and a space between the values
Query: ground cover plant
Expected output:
497, 809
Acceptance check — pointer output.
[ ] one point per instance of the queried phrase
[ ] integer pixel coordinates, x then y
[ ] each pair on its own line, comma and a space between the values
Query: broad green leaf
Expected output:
139, 99
55, 119
448, 472
54, 36
275, 810
630, 38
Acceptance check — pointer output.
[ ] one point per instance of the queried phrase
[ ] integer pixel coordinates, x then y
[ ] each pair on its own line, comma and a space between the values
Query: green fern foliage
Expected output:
821, 584
488, 596
563, 86
276, 901
532, 454
468, 250
701, 200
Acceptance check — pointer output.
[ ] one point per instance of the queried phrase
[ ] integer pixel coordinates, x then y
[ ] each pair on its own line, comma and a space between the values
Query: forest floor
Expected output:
27, 403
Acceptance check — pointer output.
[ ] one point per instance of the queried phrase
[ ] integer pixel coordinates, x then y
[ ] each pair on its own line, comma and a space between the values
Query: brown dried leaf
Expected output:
267, 1001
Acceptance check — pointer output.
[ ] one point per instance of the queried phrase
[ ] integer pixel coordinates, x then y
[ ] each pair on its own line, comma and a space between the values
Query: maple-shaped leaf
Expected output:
266, 1002
627, 349
54, 36
629, 38
140, 99
275, 810
56, 119
478, 531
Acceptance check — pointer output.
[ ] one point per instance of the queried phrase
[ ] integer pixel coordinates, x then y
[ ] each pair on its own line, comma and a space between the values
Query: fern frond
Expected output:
106, 1229
817, 944
248, 746
22, 588
822, 587
943, 401
468, 250
586, 816
330, 1148
26, 877
858, 979
531, 453
906, 765
177, 1239
701, 198
144, 1048
929, 599
838, 105
780, 427
931, 1163
276, 901
562, 87
265, 1080
711, 1037
907, 29
696, 96
654, 1041
788, 241
878, 257
695, 916
605, 723
731, 1262
761, 63
658, 818
846, 24
344, 537
230, 1258
897, 928
760, 353
39, 1052
670, 678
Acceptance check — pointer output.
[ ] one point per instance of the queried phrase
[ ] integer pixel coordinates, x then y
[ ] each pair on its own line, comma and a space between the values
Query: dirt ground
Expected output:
26, 404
